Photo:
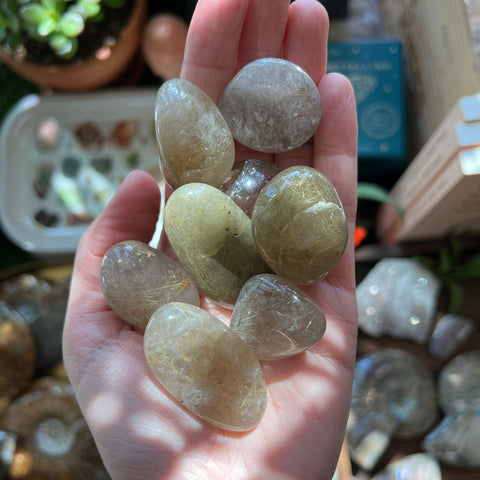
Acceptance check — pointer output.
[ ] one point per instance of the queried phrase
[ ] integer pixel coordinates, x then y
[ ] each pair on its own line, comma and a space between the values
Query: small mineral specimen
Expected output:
17, 351
48, 135
450, 332
212, 238
137, 279
398, 297
89, 135
299, 225
271, 105
205, 366
418, 466
275, 318
124, 132
42, 179
194, 140
246, 180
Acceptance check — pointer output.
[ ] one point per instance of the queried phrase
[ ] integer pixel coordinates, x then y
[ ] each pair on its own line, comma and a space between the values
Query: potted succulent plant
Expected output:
70, 44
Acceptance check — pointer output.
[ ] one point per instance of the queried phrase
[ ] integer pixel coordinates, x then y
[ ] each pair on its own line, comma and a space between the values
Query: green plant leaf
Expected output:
456, 297
90, 9
68, 50
71, 24
58, 41
46, 27
372, 191
33, 14
52, 5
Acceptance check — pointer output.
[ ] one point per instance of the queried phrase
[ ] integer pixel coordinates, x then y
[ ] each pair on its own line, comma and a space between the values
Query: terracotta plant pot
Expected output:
93, 73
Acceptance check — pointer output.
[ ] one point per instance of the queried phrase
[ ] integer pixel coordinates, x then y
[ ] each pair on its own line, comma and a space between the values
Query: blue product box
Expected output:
375, 70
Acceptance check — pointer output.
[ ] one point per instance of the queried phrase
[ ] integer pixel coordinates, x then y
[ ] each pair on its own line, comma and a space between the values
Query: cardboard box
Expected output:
375, 70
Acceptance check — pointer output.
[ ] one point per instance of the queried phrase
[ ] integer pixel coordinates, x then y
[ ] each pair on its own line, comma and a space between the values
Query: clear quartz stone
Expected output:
206, 366
275, 318
137, 279
449, 333
271, 105
195, 142
246, 180
398, 297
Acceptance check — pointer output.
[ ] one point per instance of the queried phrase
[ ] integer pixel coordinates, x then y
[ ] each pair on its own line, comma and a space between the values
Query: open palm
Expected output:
142, 433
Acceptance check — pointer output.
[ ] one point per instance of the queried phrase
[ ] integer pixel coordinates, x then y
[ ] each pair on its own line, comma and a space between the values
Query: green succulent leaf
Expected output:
58, 41
91, 9
46, 27
71, 24
66, 50
34, 14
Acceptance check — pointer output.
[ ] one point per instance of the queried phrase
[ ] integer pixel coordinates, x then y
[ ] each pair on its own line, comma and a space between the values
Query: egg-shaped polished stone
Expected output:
212, 238
137, 279
195, 142
245, 181
276, 319
299, 225
206, 366
271, 105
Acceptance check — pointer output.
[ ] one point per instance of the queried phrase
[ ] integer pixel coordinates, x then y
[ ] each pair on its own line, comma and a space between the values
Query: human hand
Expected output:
140, 431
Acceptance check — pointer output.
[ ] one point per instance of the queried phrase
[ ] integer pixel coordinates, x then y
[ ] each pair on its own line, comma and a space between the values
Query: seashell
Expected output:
455, 440
459, 384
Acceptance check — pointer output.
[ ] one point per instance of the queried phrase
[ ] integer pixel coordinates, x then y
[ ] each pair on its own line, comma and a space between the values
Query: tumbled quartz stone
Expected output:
299, 225
394, 385
271, 105
206, 366
212, 238
276, 319
246, 180
450, 332
137, 279
459, 384
195, 142
398, 297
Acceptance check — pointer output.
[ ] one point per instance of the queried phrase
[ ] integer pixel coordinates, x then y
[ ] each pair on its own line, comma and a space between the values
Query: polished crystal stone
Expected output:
53, 439
195, 142
450, 332
394, 385
299, 225
455, 440
205, 366
137, 279
271, 105
459, 384
418, 466
246, 180
398, 297
17, 351
212, 238
275, 318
